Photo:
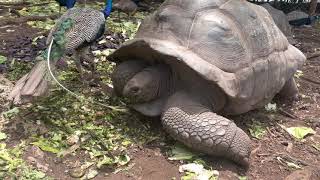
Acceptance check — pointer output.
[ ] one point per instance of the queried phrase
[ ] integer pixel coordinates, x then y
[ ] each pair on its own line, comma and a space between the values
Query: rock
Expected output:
296, 15
35, 162
305, 174
77, 172
37, 152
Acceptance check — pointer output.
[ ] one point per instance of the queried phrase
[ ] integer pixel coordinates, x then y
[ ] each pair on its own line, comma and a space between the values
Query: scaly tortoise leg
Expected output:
195, 125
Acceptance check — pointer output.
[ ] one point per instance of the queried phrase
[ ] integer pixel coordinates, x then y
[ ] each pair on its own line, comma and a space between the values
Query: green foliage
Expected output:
3, 59
124, 25
18, 69
83, 126
242, 177
197, 171
300, 132
257, 130
46, 25
11, 113
3, 136
298, 74
12, 165
50, 9
54, 145
180, 152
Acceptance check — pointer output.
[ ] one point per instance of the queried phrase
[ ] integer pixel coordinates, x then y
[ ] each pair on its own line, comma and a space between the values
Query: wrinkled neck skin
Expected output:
200, 90
108, 8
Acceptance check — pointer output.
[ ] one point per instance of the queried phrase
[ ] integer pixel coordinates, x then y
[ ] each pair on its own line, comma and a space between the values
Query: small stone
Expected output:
73, 139
36, 163
289, 147
77, 173
37, 152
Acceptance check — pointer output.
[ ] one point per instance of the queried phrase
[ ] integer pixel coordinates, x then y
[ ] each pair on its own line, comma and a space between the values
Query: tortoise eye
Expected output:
135, 90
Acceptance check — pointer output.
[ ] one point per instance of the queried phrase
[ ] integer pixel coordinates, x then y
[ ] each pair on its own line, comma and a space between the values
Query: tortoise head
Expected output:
141, 83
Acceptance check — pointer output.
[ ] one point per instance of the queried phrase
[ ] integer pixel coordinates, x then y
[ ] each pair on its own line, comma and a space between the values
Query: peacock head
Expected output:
107, 10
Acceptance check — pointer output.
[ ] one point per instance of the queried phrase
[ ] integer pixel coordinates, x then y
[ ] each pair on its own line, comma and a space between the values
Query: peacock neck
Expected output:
70, 3
136, 2
108, 8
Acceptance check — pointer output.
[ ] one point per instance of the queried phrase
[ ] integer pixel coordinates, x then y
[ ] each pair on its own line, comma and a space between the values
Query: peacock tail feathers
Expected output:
59, 40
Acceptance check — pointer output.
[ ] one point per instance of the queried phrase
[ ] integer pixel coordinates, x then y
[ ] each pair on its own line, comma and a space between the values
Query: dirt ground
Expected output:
268, 159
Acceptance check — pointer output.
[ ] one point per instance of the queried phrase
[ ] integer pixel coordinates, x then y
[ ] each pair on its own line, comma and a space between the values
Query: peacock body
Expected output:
73, 33
87, 25
304, 21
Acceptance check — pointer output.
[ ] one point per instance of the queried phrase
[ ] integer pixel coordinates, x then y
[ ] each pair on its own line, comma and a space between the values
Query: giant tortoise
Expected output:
191, 62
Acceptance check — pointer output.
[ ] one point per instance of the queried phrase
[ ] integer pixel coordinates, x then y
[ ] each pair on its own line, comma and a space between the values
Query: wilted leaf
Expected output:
242, 177
300, 132
105, 161
11, 113
92, 173
2, 136
271, 107
123, 159
257, 130
3, 59
316, 146
198, 172
180, 152
46, 146
298, 74
293, 165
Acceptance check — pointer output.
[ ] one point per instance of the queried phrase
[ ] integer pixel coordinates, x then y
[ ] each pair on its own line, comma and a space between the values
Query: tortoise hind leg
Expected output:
289, 90
193, 124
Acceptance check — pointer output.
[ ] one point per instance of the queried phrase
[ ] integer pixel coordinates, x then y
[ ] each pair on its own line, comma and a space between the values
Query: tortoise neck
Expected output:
168, 82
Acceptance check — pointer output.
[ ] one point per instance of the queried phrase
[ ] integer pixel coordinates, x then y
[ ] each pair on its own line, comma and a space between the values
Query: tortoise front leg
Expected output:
190, 122
289, 90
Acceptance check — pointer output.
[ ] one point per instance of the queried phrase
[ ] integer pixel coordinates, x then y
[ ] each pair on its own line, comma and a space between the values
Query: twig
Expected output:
286, 113
313, 55
310, 80
269, 131
13, 11
292, 159
256, 149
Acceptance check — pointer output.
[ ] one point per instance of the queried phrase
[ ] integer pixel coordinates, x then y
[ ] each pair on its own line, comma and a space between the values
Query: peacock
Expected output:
73, 33
304, 21
66, 3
